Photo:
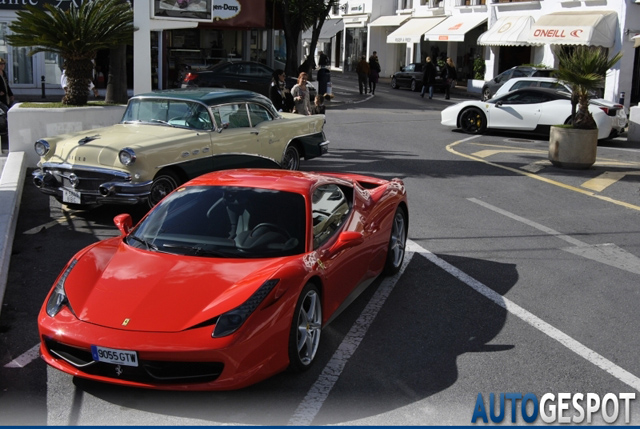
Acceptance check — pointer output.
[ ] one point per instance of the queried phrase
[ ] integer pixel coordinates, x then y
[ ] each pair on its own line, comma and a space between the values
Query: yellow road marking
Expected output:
488, 152
606, 179
450, 148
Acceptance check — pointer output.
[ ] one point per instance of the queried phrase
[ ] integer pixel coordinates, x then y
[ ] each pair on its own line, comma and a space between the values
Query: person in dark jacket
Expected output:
449, 75
6, 95
279, 94
363, 74
428, 77
374, 72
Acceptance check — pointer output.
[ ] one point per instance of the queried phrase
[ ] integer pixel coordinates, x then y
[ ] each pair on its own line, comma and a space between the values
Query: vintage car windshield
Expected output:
234, 222
180, 113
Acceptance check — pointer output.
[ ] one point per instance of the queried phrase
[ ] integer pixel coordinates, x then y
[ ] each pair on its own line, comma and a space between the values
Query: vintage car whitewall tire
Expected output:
291, 159
164, 182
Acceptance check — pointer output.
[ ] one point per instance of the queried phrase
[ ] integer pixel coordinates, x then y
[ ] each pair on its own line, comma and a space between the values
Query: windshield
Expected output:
177, 113
215, 221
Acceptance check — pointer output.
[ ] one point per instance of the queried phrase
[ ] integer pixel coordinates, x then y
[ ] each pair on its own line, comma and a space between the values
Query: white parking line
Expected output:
312, 402
25, 358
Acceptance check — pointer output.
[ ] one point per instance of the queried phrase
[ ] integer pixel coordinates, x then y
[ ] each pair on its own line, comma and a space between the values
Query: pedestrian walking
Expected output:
278, 93
374, 71
300, 94
428, 77
363, 74
323, 59
450, 76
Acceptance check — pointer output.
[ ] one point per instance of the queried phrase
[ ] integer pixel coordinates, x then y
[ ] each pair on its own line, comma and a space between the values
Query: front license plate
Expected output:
115, 356
70, 196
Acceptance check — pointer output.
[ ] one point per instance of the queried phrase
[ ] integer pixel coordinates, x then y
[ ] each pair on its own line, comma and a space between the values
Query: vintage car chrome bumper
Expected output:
89, 185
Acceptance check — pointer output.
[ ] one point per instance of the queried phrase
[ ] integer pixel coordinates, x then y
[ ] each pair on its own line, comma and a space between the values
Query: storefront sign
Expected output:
20, 4
191, 10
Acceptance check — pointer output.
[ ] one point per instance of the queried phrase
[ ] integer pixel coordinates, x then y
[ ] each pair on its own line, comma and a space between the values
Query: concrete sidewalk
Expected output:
13, 169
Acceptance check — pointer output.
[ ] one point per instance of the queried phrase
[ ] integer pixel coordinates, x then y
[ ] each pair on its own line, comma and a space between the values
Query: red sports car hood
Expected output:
118, 286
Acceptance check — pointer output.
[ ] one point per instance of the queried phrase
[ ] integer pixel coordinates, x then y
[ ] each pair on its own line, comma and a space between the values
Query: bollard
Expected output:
42, 86
621, 101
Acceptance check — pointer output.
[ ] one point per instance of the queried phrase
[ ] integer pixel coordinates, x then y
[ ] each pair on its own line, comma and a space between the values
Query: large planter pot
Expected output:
572, 148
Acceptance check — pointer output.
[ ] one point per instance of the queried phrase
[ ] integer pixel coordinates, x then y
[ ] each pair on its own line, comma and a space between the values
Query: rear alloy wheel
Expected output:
397, 243
306, 327
414, 85
291, 159
394, 83
163, 184
473, 121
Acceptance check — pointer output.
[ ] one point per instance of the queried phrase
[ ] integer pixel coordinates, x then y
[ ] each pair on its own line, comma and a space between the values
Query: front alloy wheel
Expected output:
394, 83
306, 328
473, 121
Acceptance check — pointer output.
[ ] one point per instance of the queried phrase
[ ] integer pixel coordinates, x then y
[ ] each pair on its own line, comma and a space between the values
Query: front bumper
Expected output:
87, 185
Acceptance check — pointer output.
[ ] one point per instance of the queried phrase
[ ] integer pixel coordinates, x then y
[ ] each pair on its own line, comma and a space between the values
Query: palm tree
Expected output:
584, 69
76, 35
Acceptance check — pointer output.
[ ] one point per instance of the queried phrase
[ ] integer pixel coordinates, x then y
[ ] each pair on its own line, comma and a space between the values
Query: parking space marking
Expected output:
25, 358
319, 391
450, 148
607, 179
606, 253
578, 348
489, 152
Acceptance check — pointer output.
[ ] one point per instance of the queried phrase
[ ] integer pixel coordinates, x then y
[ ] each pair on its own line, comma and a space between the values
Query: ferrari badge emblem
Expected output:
126, 322
118, 370
320, 264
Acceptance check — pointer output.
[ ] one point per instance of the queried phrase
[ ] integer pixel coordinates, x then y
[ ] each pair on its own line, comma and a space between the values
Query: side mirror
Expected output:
346, 240
124, 223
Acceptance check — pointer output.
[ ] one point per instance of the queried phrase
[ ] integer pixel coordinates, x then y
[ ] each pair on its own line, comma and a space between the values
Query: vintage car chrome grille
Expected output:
84, 180
156, 372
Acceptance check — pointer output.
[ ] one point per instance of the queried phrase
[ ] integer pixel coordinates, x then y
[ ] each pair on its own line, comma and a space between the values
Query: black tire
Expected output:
304, 337
397, 242
486, 94
164, 182
473, 121
291, 159
414, 85
394, 83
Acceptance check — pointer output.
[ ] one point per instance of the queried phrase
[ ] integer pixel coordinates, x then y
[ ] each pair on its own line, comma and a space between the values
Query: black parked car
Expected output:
247, 75
411, 76
491, 86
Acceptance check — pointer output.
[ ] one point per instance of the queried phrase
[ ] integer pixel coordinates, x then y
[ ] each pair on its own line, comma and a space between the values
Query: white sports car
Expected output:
615, 111
528, 109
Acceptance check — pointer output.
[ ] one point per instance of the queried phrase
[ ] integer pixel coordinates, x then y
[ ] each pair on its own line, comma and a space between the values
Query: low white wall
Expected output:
633, 133
28, 124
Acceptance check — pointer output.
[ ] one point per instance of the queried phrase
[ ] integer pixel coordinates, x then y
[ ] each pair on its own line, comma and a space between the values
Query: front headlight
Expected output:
58, 298
230, 321
42, 147
127, 156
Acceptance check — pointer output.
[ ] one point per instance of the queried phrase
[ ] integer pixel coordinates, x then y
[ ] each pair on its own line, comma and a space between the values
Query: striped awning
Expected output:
508, 31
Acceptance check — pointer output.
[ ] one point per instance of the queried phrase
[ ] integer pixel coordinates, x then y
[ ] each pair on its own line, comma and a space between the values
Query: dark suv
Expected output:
491, 86
411, 76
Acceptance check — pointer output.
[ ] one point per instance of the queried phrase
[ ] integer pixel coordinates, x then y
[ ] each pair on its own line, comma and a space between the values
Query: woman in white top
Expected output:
300, 94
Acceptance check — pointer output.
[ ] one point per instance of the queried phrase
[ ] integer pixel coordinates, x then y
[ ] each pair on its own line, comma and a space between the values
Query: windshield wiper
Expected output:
197, 250
150, 246
160, 121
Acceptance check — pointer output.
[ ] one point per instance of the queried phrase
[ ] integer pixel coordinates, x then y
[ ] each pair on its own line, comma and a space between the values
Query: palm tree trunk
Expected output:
117, 76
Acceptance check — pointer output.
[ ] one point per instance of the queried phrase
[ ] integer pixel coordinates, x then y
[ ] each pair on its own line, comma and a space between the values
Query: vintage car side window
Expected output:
234, 115
258, 114
330, 208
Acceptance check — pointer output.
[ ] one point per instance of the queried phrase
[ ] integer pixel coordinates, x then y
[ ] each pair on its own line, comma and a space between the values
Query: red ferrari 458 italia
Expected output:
226, 281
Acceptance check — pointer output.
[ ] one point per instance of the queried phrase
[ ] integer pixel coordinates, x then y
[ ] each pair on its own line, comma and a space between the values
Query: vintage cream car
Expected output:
168, 137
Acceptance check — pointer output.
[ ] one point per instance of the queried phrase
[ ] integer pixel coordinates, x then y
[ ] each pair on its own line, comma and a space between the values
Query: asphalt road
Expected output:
520, 277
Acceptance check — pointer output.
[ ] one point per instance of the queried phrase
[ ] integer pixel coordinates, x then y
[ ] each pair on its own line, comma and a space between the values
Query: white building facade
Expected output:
504, 33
